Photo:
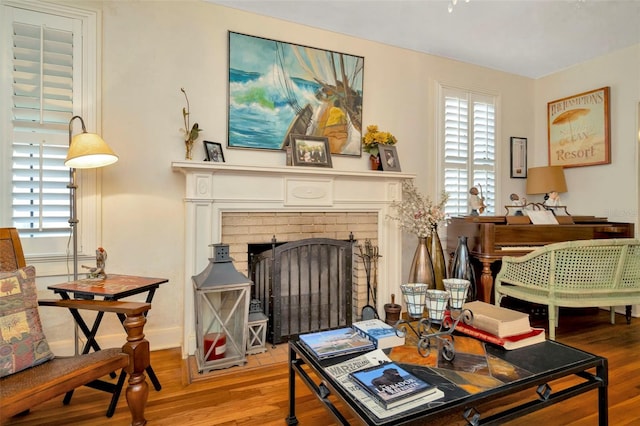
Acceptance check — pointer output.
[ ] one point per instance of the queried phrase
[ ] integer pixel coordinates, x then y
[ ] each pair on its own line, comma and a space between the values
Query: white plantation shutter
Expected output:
42, 108
468, 123
42, 45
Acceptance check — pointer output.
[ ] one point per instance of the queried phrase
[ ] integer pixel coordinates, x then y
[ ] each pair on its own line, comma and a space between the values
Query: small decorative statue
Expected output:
553, 200
516, 201
476, 202
101, 260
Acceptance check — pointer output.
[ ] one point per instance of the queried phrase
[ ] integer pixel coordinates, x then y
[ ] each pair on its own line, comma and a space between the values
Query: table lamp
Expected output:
544, 180
86, 151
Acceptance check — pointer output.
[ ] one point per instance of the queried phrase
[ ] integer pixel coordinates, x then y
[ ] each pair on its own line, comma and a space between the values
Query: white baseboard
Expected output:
166, 338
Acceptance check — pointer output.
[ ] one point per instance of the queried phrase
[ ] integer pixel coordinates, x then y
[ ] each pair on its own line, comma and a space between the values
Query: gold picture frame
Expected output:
579, 129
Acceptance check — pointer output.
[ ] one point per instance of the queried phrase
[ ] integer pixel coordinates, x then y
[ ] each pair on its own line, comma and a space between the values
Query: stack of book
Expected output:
391, 385
360, 337
361, 393
500, 326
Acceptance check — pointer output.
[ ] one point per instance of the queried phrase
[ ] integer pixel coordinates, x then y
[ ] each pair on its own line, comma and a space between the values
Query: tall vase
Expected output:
421, 268
437, 258
462, 267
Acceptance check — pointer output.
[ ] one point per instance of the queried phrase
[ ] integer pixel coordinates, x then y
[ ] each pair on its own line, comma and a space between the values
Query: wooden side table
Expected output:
114, 287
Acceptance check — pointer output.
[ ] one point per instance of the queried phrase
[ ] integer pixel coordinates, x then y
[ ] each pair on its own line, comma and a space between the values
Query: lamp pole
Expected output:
73, 213
86, 151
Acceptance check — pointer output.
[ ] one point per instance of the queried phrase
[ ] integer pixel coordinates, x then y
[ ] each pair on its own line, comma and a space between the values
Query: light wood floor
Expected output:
258, 395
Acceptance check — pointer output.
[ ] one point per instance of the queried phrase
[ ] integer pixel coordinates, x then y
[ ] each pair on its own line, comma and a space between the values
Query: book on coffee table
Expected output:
381, 333
336, 342
391, 385
501, 322
530, 337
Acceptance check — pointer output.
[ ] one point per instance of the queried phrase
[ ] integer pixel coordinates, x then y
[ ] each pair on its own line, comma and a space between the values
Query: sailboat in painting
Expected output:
278, 89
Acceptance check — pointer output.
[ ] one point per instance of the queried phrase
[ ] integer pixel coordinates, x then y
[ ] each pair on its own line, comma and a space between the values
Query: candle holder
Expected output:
444, 312
458, 289
415, 297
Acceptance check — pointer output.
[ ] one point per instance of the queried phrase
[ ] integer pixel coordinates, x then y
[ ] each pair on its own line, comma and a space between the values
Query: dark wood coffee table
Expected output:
538, 366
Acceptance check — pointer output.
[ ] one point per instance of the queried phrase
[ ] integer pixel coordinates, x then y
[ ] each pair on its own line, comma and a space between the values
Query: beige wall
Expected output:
152, 49
606, 190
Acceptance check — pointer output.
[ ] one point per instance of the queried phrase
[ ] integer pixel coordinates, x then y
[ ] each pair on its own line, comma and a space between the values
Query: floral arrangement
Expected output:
190, 134
374, 137
417, 213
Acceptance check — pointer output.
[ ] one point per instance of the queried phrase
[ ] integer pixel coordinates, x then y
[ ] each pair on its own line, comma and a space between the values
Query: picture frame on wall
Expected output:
518, 157
287, 88
214, 152
389, 158
579, 129
310, 151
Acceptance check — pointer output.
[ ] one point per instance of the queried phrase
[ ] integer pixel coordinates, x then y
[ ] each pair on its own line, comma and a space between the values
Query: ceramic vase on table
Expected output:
462, 268
437, 258
421, 267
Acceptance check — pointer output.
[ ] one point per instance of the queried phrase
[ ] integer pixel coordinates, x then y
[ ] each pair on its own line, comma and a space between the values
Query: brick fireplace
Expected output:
241, 205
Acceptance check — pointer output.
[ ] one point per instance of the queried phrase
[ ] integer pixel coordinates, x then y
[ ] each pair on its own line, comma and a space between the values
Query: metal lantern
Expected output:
221, 296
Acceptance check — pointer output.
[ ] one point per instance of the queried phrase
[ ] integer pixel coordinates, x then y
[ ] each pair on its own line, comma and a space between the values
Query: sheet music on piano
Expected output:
542, 217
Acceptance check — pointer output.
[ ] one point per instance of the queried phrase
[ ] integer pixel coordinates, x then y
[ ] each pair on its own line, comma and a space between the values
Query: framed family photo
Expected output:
214, 151
518, 157
310, 151
389, 158
578, 129
276, 89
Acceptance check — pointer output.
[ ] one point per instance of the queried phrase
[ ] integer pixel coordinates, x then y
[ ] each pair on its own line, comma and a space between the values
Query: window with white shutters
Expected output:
46, 87
468, 148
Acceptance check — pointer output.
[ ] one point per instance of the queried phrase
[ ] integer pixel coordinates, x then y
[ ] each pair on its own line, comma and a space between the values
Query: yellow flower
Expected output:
374, 137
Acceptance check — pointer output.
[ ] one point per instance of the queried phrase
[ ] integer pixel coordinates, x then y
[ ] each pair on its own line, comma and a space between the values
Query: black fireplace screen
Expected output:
304, 286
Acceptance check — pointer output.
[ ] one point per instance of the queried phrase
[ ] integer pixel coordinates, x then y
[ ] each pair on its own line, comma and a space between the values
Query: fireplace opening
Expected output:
304, 285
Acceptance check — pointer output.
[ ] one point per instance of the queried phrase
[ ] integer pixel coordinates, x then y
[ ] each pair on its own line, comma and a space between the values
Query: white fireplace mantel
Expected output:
214, 188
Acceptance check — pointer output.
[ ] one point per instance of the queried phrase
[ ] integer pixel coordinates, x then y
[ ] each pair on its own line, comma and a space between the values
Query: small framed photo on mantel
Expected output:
214, 152
389, 158
310, 151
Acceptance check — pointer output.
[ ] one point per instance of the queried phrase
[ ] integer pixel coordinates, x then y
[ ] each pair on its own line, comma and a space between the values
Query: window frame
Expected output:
441, 90
89, 183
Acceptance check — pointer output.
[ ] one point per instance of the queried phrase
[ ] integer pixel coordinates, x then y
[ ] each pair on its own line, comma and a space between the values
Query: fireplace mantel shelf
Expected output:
221, 168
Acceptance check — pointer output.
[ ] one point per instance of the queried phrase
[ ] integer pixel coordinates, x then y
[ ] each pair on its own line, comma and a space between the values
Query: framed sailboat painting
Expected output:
277, 89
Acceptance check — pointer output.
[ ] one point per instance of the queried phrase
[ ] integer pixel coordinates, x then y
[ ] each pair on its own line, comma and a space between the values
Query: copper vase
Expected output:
422, 268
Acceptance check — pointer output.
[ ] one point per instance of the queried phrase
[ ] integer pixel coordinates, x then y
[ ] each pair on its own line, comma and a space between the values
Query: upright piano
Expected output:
491, 237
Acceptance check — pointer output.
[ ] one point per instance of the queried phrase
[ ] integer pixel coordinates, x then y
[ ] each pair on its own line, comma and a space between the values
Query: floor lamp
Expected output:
86, 151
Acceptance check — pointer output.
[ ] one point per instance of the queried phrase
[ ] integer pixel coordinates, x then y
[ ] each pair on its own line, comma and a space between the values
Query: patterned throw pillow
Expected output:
22, 342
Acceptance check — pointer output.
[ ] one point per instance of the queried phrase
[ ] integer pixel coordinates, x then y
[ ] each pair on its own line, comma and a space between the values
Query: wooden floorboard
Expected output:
257, 395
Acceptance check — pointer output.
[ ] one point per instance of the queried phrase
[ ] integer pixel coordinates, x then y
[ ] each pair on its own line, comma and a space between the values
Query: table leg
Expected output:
602, 372
291, 419
150, 373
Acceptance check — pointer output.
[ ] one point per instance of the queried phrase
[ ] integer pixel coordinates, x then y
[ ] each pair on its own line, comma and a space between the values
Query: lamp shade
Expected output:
88, 151
543, 180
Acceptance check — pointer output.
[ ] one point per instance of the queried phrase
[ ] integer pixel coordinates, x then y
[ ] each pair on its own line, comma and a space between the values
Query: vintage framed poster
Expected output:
518, 157
578, 129
277, 89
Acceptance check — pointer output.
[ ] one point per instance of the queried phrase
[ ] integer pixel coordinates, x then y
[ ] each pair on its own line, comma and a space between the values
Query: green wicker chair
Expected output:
586, 273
